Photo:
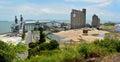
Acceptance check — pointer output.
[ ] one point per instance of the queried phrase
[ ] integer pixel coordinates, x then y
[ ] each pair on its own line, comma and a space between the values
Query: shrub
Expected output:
6, 56
90, 50
32, 45
7, 52
118, 46
54, 44
3, 45
44, 46
32, 52
49, 46
83, 49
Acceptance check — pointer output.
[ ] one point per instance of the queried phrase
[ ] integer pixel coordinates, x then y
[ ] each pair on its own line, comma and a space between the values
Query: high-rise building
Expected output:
78, 19
95, 21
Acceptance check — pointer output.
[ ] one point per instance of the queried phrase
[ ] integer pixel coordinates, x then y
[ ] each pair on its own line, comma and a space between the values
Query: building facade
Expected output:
95, 21
78, 19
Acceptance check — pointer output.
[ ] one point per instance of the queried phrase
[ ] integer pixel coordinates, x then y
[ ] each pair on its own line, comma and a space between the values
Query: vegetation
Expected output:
23, 36
37, 47
49, 46
108, 27
50, 52
8, 52
42, 36
109, 23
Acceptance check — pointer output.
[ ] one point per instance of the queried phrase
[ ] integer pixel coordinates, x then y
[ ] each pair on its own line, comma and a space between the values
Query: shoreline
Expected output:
5, 33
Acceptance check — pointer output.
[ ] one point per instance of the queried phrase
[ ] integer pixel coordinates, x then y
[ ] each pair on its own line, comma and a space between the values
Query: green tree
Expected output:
42, 36
23, 36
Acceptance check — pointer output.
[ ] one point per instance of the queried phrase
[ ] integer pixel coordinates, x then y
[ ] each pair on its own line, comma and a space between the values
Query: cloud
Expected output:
35, 9
59, 10
104, 4
100, 3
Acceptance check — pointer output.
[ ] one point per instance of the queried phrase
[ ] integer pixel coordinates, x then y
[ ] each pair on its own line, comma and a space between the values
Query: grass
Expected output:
108, 27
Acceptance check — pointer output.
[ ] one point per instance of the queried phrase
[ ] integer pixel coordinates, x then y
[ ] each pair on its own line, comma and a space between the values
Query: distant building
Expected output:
117, 28
78, 19
95, 21
29, 25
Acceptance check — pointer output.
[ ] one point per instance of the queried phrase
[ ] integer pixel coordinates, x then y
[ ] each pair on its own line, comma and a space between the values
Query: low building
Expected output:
30, 25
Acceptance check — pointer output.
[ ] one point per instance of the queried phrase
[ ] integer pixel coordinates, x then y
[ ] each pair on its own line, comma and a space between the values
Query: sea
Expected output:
5, 26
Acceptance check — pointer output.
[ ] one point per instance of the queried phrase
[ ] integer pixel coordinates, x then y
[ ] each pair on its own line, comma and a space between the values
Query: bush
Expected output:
32, 45
54, 44
90, 50
6, 56
3, 45
7, 52
83, 49
44, 46
32, 52
33, 49
49, 46
118, 46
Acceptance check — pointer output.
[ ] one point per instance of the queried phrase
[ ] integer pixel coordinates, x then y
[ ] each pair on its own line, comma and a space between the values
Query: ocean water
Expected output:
5, 26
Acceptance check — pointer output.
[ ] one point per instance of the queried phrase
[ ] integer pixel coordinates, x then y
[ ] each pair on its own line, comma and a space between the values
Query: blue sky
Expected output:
107, 10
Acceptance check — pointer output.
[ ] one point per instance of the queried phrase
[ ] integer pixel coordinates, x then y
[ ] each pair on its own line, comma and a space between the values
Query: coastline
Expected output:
5, 33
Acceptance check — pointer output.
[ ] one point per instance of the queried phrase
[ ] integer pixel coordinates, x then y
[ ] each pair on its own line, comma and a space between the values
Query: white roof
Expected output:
117, 25
29, 22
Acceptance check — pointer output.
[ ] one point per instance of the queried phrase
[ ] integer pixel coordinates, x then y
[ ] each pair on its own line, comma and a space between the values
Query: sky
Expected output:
107, 10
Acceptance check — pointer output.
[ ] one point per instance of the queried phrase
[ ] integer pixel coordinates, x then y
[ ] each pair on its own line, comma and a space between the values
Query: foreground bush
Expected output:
8, 52
49, 46
54, 44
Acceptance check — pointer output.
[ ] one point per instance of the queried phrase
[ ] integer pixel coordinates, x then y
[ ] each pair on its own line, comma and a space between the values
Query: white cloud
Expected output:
38, 10
104, 4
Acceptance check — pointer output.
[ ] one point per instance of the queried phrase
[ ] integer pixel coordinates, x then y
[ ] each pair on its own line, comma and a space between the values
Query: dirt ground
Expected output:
77, 35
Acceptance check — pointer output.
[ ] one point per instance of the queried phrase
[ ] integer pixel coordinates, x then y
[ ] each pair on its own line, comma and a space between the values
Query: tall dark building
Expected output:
21, 18
95, 21
16, 20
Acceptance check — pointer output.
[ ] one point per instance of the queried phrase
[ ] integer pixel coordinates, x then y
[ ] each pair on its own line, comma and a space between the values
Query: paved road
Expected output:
27, 41
28, 37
